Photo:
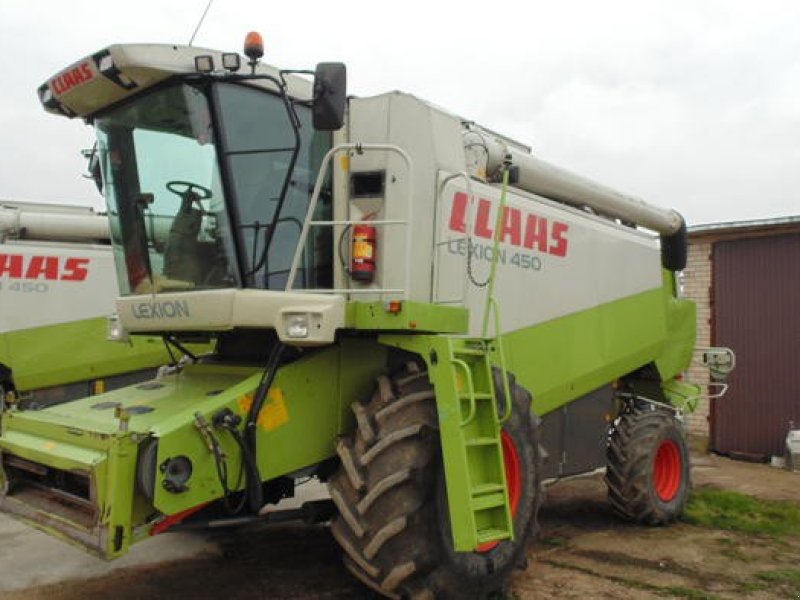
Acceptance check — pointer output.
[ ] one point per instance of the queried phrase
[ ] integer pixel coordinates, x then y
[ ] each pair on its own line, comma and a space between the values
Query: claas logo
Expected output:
71, 78
517, 227
48, 268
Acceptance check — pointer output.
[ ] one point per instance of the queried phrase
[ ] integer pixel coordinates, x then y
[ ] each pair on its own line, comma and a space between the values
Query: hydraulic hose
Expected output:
255, 497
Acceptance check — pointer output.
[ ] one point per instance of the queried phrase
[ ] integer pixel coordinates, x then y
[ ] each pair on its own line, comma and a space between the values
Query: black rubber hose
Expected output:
255, 497
255, 500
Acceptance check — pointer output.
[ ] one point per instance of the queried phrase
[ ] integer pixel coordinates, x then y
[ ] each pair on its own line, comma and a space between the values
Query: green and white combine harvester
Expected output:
57, 288
405, 305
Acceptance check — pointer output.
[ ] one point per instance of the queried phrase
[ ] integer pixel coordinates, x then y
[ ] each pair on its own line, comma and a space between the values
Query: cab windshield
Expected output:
192, 176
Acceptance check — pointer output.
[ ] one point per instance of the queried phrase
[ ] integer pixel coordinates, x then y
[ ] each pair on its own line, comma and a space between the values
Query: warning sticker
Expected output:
273, 414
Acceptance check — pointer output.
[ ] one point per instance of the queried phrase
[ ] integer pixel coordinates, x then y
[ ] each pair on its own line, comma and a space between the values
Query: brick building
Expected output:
745, 278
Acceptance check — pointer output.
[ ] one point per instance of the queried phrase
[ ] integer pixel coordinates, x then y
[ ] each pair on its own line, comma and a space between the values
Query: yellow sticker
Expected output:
274, 413
245, 402
49, 445
344, 162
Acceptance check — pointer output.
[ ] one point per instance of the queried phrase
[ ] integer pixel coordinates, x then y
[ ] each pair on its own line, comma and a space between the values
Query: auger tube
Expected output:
52, 226
545, 179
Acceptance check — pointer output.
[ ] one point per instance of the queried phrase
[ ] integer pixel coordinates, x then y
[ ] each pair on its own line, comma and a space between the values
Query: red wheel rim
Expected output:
667, 471
513, 469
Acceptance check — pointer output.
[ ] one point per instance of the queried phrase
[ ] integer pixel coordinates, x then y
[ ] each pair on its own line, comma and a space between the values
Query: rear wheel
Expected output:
393, 522
648, 467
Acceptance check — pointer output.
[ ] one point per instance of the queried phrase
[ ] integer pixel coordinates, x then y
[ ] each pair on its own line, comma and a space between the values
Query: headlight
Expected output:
231, 61
115, 332
297, 325
204, 63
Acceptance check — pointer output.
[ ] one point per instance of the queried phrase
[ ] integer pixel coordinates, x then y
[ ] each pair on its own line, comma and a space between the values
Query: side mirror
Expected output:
330, 95
92, 157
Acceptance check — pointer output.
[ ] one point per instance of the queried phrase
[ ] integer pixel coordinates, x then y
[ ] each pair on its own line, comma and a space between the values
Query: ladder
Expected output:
472, 451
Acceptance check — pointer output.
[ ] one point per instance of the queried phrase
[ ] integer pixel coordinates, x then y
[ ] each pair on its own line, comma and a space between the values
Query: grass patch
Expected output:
732, 511
555, 541
747, 587
731, 549
789, 579
682, 592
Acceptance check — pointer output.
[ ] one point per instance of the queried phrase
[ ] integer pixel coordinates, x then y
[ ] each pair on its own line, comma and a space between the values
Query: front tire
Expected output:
393, 522
648, 475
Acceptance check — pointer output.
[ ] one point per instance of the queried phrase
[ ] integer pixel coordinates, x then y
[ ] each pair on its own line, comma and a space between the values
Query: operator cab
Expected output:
207, 173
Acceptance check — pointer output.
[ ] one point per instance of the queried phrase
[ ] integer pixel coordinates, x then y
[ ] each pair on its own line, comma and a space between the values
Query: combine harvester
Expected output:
57, 289
406, 305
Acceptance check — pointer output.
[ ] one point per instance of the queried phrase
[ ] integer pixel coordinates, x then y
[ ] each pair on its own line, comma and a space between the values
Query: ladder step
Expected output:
469, 351
483, 441
490, 535
486, 488
488, 501
477, 395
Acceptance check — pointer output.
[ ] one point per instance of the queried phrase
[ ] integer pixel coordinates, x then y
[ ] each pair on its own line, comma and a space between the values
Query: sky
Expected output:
693, 105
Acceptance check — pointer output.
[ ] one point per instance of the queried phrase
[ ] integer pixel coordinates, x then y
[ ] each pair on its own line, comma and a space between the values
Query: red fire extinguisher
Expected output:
362, 266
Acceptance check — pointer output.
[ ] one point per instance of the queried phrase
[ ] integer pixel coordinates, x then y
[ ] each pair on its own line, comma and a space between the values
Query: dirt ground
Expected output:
582, 551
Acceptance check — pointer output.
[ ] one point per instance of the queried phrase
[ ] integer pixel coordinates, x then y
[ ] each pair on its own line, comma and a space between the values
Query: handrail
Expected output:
496, 252
501, 356
470, 385
312, 205
465, 281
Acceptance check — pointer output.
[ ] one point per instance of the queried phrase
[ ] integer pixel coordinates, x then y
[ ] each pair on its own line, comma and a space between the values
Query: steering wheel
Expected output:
185, 188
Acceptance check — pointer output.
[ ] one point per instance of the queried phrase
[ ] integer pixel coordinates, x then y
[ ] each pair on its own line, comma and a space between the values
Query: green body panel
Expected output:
563, 359
557, 361
681, 328
107, 461
307, 408
43, 357
414, 316
469, 429
43, 449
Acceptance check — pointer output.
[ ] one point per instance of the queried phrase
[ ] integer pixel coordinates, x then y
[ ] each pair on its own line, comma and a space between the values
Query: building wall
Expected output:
697, 286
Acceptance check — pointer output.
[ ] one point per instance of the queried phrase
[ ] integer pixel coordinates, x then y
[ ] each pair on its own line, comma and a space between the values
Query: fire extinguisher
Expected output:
362, 265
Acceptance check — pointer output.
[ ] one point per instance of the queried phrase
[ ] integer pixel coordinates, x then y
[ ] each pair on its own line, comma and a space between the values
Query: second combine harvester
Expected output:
405, 305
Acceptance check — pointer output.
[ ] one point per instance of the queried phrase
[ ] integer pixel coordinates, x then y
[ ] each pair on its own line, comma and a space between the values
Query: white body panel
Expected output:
432, 139
46, 283
222, 310
122, 70
602, 260
554, 260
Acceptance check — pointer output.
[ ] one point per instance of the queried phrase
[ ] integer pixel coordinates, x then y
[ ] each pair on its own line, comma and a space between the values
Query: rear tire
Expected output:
393, 522
648, 473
